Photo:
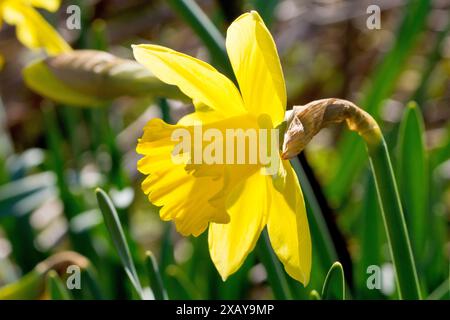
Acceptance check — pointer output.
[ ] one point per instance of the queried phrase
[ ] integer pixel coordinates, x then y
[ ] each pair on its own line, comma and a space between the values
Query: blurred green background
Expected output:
54, 156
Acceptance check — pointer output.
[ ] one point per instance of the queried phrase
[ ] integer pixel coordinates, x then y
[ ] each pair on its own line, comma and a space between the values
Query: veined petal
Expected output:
288, 227
195, 78
203, 114
32, 29
229, 244
182, 196
255, 62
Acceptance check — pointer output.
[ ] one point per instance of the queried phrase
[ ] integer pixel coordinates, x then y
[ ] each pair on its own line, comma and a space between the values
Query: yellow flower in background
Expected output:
234, 201
32, 30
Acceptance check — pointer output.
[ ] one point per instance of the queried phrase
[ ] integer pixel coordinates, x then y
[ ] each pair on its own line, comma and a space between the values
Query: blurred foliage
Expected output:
53, 156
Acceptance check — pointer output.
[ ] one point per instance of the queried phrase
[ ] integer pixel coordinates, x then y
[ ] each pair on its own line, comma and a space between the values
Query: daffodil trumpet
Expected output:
304, 122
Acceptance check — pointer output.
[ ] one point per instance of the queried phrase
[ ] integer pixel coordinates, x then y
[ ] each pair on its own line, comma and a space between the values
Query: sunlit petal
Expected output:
255, 62
182, 196
195, 78
32, 29
288, 227
50, 5
229, 244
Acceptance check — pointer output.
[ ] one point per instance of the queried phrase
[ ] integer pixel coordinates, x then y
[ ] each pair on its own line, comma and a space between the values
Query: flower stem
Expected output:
206, 30
394, 222
306, 121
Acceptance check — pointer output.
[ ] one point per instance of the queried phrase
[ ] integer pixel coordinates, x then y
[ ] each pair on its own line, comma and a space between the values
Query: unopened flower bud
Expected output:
304, 122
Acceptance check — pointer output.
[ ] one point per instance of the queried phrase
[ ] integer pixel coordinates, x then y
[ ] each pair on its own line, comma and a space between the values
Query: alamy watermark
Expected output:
73, 21
381, 278
74, 279
374, 20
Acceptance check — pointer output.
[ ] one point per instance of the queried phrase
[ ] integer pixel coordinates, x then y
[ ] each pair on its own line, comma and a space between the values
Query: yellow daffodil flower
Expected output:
234, 201
31, 28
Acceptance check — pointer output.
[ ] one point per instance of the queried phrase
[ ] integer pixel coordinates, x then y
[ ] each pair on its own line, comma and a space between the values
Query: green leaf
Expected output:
381, 85
24, 195
314, 295
442, 292
118, 237
206, 31
437, 261
93, 78
32, 285
90, 280
155, 279
394, 222
412, 174
334, 285
320, 236
186, 289
371, 240
167, 248
56, 288
29, 287
237, 285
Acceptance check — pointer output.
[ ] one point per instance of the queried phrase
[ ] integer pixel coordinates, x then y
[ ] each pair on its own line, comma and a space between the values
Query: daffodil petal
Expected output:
182, 196
229, 244
255, 62
288, 227
195, 78
50, 5
32, 29
203, 115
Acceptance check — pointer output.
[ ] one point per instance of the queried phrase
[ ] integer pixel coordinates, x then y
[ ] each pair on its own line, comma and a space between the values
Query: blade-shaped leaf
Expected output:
18, 196
314, 295
118, 237
442, 292
334, 285
56, 288
29, 287
32, 285
156, 283
371, 240
185, 288
206, 31
412, 176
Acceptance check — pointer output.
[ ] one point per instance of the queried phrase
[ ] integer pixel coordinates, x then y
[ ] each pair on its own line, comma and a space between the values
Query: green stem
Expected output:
321, 237
442, 292
206, 30
394, 222
304, 122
